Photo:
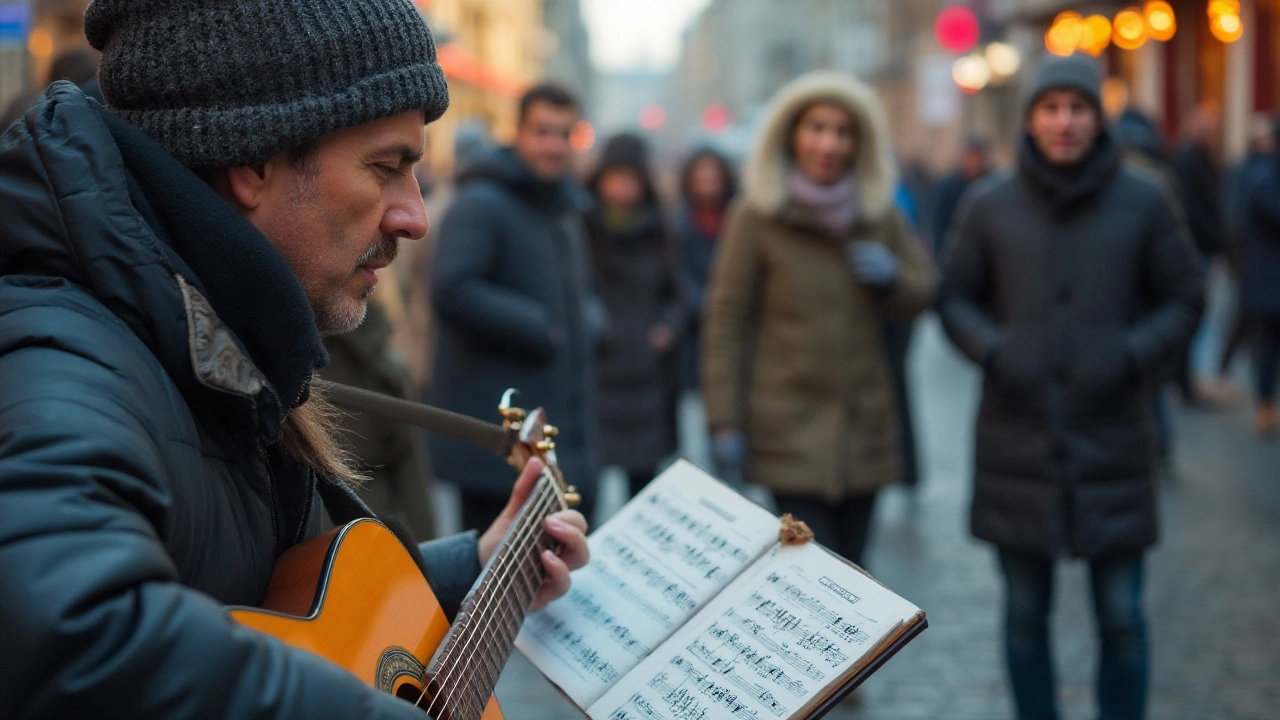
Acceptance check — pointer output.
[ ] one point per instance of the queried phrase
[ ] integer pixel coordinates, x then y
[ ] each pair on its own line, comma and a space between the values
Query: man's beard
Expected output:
333, 314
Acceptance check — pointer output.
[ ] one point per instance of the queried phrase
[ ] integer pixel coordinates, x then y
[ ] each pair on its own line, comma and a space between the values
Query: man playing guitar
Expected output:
168, 265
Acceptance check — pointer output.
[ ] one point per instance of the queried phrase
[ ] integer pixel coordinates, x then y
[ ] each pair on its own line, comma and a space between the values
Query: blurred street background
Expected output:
1190, 88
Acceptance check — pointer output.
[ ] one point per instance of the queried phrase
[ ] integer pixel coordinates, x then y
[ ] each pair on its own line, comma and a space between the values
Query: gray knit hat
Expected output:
1075, 72
219, 83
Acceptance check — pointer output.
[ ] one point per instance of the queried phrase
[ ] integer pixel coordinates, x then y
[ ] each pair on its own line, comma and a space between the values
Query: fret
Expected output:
483, 636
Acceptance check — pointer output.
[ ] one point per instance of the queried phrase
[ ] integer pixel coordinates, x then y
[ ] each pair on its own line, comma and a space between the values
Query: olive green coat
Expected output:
793, 350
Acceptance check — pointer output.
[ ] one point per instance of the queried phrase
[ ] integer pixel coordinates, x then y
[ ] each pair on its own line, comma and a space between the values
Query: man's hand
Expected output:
568, 527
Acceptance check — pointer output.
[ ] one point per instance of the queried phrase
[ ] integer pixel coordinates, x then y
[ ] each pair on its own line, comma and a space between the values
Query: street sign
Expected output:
15, 22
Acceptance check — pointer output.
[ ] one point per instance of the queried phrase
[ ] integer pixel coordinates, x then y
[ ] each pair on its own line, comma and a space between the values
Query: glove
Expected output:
729, 450
873, 265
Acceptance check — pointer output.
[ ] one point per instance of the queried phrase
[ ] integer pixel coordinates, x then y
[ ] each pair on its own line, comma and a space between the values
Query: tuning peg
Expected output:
545, 445
550, 431
571, 496
510, 414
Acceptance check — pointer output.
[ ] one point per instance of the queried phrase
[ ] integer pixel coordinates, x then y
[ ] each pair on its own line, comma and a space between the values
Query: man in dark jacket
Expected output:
509, 284
1071, 280
975, 163
159, 330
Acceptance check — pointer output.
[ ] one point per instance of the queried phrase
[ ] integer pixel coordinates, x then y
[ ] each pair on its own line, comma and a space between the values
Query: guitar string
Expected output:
515, 557
502, 572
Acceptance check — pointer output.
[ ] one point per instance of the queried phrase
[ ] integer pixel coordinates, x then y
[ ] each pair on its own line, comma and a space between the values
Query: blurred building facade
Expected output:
568, 57
32, 34
739, 52
490, 50
1167, 80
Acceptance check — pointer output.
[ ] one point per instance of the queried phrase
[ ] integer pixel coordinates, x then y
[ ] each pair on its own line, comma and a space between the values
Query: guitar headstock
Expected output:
534, 437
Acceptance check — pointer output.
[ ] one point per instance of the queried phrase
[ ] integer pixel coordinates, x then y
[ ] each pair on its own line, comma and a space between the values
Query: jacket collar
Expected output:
1064, 188
503, 166
247, 282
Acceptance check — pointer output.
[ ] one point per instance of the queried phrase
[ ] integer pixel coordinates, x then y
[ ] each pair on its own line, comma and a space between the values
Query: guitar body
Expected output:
354, 597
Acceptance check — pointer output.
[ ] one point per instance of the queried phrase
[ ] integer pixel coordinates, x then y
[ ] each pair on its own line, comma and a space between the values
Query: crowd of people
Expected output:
1075, 279
782, 297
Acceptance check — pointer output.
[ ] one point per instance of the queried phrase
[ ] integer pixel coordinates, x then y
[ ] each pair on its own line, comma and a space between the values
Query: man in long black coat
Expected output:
168, 264
1070, 282
511, 288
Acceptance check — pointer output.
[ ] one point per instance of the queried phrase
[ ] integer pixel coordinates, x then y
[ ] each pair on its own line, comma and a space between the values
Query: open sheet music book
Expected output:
691, 609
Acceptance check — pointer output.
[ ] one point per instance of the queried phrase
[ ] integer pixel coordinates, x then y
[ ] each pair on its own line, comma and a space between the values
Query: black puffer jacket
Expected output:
151, 341
511, 287
636, 383
1070, 291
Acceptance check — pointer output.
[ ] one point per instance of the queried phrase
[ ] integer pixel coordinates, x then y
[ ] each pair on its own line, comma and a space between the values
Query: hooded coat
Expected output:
510, 286
1070, 289
151, 342
793, 350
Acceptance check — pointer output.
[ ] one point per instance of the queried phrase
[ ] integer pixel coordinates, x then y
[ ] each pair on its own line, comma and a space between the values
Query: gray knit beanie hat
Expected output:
220, 83
1075, 72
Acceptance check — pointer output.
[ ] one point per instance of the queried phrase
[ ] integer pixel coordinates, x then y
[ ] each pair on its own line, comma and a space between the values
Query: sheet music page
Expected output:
664, 555
786, 629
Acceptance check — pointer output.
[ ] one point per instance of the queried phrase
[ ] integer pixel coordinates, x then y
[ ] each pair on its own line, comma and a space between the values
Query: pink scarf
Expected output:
836, 205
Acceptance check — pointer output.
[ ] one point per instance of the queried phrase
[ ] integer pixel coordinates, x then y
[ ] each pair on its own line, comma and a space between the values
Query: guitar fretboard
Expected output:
465, 668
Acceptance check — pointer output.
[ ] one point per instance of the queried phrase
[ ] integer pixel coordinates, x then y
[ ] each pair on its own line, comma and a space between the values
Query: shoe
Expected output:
1265, 420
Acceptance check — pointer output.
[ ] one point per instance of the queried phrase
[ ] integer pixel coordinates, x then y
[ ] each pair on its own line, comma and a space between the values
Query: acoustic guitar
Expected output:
355, 597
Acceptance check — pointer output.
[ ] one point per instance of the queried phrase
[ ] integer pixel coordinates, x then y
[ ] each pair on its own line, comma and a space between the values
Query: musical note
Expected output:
573, 643
653, 565
595, 613
792, 625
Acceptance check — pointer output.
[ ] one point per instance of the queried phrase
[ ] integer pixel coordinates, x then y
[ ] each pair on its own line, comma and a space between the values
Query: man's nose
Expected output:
407, 218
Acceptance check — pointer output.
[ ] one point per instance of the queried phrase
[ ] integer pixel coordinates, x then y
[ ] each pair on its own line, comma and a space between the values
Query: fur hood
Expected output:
765, 175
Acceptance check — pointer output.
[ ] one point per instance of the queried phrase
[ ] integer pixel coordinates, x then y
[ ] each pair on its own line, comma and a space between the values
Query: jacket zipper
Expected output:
271, 500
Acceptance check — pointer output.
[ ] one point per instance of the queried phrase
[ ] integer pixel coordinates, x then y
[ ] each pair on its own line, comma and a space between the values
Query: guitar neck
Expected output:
465, 668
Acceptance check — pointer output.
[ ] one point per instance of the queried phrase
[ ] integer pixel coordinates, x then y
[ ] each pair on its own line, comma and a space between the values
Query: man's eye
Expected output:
388, 171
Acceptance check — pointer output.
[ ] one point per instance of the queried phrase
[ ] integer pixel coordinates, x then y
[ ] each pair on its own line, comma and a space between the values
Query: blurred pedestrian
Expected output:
975, 163
1197, 168
80, 66
388, 452
1259, 155
1071, 280
813, 259
707, 185
635, 265
1261, 277
510, 287
1143, 148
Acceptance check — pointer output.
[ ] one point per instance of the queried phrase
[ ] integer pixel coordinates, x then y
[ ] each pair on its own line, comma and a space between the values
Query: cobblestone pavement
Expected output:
1212, 585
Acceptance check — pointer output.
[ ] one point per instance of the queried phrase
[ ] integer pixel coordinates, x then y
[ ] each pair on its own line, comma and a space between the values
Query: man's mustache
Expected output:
385, 248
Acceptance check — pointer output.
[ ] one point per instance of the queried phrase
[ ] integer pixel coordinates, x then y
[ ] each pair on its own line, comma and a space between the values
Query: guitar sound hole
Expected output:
408, 692
424, 699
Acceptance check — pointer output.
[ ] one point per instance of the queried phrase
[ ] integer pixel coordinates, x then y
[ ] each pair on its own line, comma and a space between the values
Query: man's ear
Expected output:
247, 184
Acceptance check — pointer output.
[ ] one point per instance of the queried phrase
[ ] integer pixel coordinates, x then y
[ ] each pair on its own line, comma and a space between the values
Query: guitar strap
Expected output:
342, 502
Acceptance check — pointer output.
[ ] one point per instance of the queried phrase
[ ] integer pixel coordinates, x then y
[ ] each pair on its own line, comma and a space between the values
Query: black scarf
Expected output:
1066, 187
247, 281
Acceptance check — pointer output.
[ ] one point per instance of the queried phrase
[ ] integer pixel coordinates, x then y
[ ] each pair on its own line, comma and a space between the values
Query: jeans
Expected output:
1268, 357
1117, 603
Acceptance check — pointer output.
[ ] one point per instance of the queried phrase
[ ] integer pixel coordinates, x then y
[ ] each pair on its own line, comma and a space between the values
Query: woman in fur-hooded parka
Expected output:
793, 356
